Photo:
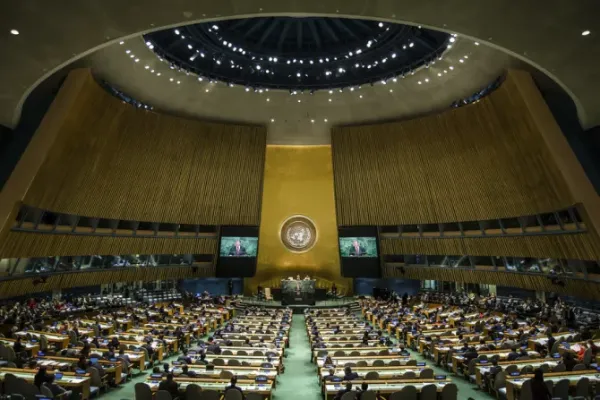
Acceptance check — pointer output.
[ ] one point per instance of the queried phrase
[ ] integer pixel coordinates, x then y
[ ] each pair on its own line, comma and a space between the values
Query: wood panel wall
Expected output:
577, 246
28, 244
25, 286
482, 161
112, 160
576, 287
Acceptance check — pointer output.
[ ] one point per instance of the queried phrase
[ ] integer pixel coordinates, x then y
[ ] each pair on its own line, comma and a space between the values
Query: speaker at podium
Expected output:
298, 291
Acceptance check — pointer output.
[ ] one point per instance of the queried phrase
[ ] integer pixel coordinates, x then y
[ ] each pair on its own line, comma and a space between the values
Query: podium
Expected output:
297, 292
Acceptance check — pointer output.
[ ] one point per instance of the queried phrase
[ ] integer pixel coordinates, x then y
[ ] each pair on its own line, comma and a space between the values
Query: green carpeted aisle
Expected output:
299, 382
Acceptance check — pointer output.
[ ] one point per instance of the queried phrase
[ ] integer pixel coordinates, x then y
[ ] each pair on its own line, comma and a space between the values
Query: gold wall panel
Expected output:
28, 244
112, 160
24, 286
485, 160
541, 283
576, 246
298, 180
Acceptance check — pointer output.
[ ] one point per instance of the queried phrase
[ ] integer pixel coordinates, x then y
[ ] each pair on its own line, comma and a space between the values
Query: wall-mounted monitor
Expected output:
360, 246
238, 251
238, 246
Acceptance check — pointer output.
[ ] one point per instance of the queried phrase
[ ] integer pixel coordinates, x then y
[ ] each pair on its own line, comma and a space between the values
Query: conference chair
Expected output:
162, 395
409, 393
233, 395
449, 392
193, 391
234, 362
226, 374
349, 396
372, 375
525, 392
583, 387
579, 367
208, 395
498, 385
559, 368
428, 392
363, 363
253, 396
426, 373
409, 375
549, 385
142, 391
561, 389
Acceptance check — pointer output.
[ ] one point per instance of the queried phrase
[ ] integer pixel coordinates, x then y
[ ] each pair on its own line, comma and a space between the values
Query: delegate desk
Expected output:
388, 387
134, 345
268, 338
109, 328
196, 331
482, 368
440, 350
239, 371
369, 360
543, 340
248, 351
394, 372
501, 354
113, 368
514, 383
433, 332
30, 347
71, 381
147, 332
246, 361
353, 352
61, 341
247, 386
136, 358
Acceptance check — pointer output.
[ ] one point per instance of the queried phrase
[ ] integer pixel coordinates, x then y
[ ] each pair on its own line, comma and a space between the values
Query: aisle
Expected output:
300, 378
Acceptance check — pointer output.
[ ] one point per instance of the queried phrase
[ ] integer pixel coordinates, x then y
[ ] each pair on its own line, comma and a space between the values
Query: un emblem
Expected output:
298, 234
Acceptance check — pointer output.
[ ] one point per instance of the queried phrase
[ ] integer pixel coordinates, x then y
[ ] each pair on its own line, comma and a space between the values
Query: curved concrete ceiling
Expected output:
301, 119
545, 34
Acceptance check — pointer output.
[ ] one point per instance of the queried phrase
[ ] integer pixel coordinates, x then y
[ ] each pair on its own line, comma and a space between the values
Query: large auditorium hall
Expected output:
299, 200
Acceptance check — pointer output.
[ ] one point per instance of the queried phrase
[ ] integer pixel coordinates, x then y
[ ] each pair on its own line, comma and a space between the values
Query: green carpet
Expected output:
300, 378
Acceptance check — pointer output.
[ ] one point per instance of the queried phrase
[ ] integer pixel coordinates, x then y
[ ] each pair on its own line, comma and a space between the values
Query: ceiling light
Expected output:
395, 80
137, 60
268, 99
200, 79
298, 74
381, 24
419, 82
127, 51
299, 101
288, 61
404, 47
325, 120
224, 42
189, 46
476, 43
14, 32
584, 33
158, 74
121, 42
258, 67
272, 119
171, 79
331, 92
391, 90
330, 100
393, 55
360, 96
411, 44
206, 90
466, 57
439, 74
461, 60
301, 62
178, 82
311, 61
452, 40
352, 89
358, 51
445, 71
215, 27
426, 79
177, 31
260, 90
274, 59
131, 56
451, 67
147, 67
247, 89
312, 121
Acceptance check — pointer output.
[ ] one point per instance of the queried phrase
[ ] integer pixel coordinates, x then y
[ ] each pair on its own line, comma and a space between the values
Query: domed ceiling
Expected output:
299, 53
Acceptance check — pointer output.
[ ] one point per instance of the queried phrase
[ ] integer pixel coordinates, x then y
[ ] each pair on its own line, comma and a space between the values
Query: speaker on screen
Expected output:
238, 249
359, 252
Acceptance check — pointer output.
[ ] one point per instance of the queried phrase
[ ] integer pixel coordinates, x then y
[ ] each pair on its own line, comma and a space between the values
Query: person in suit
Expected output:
57, 390
213, 347
551, 341
184, 357
233, 386
170, 386
349, 375
330, 376
356, 250
41, 377
342, 392
237, 249
539, 390
513, 355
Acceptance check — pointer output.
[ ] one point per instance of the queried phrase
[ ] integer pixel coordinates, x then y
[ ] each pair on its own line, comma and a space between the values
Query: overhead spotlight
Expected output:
461, 60
271, 59
121, 42
585, 33
466, 57
272, 119
178, 82
230, 84
299, 101
14, 32
321, 60
476, 43
267, 71
381, 24
268, 99
352, 89
229, 44
206, 90
326, 59
158, 74
391, 90
260, 90
419, 82
340, 70
301, 62
331, 92
189, 46
330, 100
404, 47
395, 80
294, 60
177, 31
312, 121
258, 67
298, 74
411, 44
358, 51
426, 79
215, 27
393, 55
369, 43
247, 89
288, 61
224, 42
199, 79
311, 61
171, 79
147, 67
356, 65
127, 51
449, 46
445, 71
202, 54
218, 62
439, 74
452, 40
383, 82
451, 67
274, 59
193, 57
360, 96
384, 60
137, 60
325, 120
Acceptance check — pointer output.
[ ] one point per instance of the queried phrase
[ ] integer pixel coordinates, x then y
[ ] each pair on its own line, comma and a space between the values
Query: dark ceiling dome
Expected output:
298, 53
